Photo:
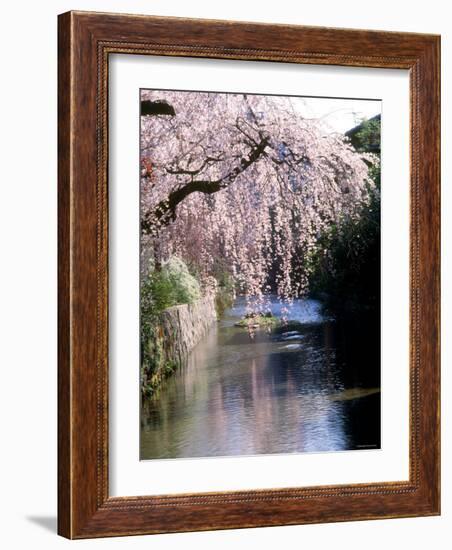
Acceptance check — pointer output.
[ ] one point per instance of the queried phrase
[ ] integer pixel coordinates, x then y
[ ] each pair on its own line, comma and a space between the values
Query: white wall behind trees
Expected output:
28, 269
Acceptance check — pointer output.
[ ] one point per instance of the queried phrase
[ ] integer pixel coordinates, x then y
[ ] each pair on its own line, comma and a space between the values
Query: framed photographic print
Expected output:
248, 275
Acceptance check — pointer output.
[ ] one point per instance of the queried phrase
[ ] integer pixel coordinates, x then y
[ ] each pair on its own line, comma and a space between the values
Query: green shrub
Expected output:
185, 288
159, 291
223, 300
170, 286
347, 262
224, 297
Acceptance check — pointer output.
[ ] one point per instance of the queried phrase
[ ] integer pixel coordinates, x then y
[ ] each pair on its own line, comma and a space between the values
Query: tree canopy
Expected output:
245, 183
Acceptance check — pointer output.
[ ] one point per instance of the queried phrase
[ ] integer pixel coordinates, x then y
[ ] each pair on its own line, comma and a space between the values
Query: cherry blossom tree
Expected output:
245, 182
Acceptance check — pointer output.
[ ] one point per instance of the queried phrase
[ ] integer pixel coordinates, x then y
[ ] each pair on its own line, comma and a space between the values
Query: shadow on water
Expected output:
311, 386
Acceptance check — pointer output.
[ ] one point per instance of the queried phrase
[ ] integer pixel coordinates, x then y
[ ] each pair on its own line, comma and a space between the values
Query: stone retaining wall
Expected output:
183, 326
176, 333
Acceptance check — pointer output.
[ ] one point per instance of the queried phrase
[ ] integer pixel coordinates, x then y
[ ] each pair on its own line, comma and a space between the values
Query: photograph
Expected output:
260, 274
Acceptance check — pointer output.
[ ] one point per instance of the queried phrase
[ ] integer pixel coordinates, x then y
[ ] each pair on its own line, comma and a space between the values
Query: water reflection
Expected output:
300, 389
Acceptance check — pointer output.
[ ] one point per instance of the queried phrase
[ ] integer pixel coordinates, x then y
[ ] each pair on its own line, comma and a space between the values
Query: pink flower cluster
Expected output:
244, 184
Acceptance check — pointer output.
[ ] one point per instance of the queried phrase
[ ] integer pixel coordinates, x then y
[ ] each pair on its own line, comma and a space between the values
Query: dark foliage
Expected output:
155, 108
347, 273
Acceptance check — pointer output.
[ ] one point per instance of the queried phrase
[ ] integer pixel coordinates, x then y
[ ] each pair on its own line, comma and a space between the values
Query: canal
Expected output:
310, 386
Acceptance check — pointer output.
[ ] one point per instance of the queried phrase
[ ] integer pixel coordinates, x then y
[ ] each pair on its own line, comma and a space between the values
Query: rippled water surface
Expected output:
312, 386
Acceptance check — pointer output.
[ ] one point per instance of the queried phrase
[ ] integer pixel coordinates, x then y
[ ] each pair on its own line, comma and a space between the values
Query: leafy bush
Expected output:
366, 137
347, 262
225, 291
169, 286
185, 288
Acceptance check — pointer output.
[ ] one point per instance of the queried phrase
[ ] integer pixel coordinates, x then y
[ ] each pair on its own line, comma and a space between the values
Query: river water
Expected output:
312, 386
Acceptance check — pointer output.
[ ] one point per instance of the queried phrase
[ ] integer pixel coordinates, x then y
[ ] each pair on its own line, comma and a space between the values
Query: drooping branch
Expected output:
187, 172
165, 211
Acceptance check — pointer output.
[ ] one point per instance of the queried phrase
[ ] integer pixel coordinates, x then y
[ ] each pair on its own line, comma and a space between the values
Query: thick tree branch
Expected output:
165, 211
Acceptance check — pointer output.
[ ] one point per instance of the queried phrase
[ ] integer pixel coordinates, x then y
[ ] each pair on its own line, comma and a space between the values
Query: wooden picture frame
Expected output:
86, 40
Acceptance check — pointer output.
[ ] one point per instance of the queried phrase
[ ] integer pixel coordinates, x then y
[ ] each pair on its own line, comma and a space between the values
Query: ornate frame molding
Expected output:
85, 42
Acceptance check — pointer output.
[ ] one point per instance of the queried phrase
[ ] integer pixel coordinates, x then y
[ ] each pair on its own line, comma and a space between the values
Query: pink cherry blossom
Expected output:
245, 183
